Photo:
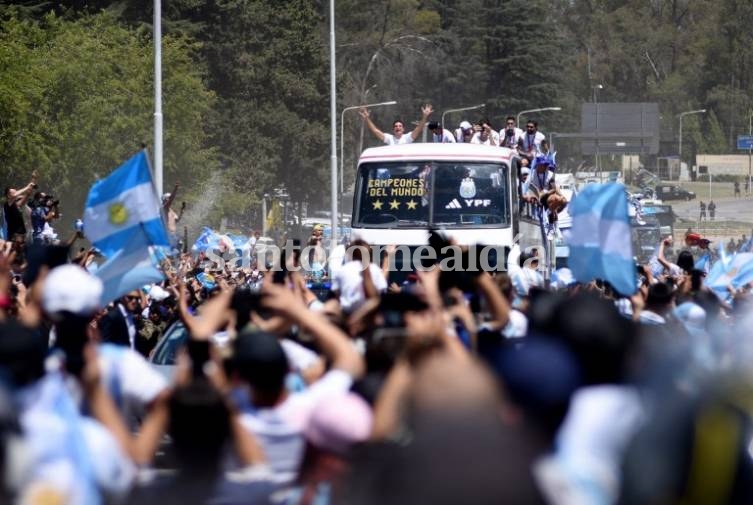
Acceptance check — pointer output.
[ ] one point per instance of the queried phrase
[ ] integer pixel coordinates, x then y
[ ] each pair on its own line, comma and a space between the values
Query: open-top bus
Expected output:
469, 191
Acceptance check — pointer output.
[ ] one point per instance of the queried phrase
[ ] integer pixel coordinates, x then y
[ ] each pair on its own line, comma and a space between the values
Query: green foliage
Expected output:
76, 100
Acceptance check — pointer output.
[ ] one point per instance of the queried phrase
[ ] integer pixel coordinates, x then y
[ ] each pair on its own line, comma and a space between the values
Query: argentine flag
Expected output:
120, 205
123, 219
600, 238
736, 271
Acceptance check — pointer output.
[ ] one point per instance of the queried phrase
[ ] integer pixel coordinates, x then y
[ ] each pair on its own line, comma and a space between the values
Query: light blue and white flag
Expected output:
736, 271
704, 262
122, 204
123, 219
600, 238
128, 269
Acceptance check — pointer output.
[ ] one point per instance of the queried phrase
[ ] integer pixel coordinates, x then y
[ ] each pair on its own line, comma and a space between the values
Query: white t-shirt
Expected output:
349, 283
511, 142
491, 140
299, 357
517, 325
280, 429
532, 142
137, 382
390, 139
445, 138
541, 181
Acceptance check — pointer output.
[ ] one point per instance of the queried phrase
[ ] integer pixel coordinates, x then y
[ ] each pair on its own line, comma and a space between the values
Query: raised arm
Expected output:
426, 111
169, 201
364, 112
333, 342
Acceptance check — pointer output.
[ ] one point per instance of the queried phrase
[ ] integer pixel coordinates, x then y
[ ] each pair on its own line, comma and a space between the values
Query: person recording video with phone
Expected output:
44, 211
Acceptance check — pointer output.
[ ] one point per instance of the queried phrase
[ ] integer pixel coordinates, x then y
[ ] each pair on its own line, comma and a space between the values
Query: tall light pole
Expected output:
542, 109
342, 136
449, 111
750, 151
333, 122
158, 95
595, 88
679, 146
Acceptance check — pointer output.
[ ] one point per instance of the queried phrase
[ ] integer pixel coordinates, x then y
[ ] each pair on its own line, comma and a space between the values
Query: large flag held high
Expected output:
600, 238
123, 219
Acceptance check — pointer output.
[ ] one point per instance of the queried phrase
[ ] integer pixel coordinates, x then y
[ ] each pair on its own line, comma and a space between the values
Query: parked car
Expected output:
671, 192
162, 357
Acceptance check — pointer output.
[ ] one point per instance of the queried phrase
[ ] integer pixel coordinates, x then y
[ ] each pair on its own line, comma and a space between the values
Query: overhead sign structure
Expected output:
745, 142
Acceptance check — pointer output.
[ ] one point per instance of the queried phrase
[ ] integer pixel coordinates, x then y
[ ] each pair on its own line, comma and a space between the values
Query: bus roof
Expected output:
429, 151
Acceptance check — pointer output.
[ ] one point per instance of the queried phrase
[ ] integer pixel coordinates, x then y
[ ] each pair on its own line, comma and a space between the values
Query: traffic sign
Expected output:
745, 142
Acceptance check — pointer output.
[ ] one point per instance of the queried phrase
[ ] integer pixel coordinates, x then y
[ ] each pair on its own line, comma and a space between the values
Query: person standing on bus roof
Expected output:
531, 142
440, 134
486, 136
510, 136
398, 135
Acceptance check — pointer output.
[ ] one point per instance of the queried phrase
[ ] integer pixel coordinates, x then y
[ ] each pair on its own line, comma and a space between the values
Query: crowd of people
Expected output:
450, 387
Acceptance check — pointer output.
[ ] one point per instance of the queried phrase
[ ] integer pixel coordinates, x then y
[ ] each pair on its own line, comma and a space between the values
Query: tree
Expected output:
76, 100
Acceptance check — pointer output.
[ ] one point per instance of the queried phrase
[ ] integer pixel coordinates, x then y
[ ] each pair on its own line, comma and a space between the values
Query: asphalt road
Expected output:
727, 209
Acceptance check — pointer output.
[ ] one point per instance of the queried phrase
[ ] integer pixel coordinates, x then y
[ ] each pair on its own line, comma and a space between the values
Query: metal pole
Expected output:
679, 148
264, 215
342, 137
542, 109
333, 122
473, 107
158, 96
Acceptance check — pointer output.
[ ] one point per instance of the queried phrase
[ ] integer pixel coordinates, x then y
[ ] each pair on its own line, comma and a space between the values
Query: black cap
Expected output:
260, 360
433, 125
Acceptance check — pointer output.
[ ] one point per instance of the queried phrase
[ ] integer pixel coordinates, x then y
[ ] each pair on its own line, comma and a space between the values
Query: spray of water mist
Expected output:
197, 214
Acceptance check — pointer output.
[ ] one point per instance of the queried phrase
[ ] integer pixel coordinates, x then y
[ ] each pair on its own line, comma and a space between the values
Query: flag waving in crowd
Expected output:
600, 245
123, 219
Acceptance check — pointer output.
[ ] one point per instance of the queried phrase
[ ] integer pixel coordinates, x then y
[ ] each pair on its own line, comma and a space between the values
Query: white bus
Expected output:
469, 191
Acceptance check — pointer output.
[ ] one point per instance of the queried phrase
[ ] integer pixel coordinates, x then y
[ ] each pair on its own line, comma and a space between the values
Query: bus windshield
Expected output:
418, 194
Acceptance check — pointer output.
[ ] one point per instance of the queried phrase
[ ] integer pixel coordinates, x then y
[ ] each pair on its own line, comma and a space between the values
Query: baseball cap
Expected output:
525, 171
70, 288
260, 360
338, 422
433, 125
465, 125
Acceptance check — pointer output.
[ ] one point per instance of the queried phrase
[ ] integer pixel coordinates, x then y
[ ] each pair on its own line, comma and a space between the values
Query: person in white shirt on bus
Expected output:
487, 136
398, 135
464, 133
531, 141
510, 136
440, 134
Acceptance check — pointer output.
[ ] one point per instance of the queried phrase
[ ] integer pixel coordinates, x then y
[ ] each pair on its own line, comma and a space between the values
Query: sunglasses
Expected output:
131, 298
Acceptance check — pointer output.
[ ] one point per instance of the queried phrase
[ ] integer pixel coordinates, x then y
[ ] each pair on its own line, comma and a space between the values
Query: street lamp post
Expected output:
542, 109
158, 95
750, 151
342, 136
595, 88
679, 147
473, 107
333, 122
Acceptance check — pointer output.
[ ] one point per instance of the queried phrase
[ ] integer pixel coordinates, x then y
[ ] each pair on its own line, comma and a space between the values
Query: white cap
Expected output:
525, 171
72, 289
465, 125
157, 294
